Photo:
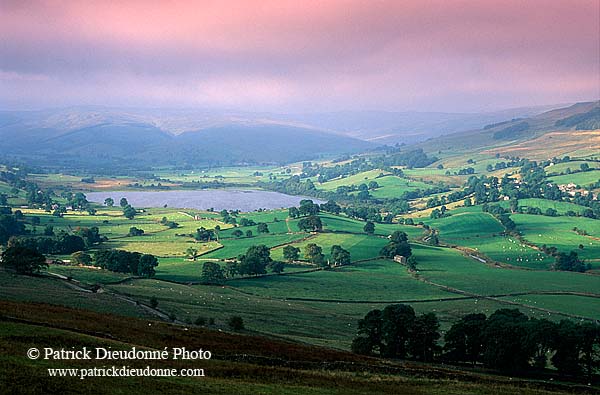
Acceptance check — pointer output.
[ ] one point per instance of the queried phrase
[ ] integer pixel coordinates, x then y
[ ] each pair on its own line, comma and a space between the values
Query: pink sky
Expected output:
300, 55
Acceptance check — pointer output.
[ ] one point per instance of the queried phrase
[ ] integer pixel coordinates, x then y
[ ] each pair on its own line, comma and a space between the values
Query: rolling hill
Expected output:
571, 130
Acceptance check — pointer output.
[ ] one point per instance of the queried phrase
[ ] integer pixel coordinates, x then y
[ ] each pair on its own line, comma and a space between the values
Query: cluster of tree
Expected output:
307, 207
398, 245
441, 212
312, 223
507, 340
126, 262
569, 262
133, 231
170, 224
10, 226
204, 235
60, 244
23, 260
502, 215
255, 261
397, 332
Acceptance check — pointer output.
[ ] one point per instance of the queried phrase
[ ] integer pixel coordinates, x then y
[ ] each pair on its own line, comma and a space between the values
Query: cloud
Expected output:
289, 55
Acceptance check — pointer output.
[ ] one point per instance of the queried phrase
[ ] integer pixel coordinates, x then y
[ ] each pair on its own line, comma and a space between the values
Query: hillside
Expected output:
120, 141
565, 131
241, 364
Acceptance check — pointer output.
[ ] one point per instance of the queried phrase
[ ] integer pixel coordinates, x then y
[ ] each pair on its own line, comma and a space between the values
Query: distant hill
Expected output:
99, 140
557, 132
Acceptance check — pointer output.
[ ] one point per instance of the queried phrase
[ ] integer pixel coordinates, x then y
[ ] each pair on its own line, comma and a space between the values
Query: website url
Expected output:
125, 371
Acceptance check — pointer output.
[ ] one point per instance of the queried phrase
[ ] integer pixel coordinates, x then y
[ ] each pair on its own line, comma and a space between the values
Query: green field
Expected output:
482, 233
390, 186
581, 178
558, 232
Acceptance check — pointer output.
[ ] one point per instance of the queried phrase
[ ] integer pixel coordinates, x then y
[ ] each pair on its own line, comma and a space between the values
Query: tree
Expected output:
506, 345
463, 340
293, 212
255, 260
192, 253
231, 269
23, 260
339, 256
311, 223
568, 262
331, 207
307, 207
204, 235
398, 245
397, 320
276, 266
369, 334
369, 227
129, 212
133, 231
541, 335
212, 273
584, 167
109, 202
236, 323
291, 253
262, 228
567, 346
248, 233
314, 254
146, 265
590, 348
123, 202
237, 233
81, 258
423, 336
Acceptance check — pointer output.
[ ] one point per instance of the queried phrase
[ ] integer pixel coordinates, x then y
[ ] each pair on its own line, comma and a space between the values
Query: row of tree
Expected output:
507, 340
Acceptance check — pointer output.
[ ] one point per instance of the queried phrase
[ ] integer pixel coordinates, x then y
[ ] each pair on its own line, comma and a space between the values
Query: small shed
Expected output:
400, 259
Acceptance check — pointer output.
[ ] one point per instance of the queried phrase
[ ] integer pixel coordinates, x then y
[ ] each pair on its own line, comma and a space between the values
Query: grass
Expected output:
390, 186
234, 247
449, 267
360, 246
482, 232
558, 232
581, 178
307, 374
44, 290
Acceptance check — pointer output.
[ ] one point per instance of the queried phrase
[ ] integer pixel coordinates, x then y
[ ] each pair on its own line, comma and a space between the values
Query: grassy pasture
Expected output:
360, 246
573, 165
49, 290
581, 178
558, 232
544, 204
481, 231
379, 280
343, 224
234, 247
389, 185
449, 267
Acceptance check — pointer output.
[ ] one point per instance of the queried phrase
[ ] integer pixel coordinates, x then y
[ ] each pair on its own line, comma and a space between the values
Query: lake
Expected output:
218, 199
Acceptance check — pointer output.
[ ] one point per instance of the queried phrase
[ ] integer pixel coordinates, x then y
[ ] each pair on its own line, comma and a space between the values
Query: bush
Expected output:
153, 302
236, 323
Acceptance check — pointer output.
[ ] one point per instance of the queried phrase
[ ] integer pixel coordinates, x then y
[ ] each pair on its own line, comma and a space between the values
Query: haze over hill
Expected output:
565, 125
167, 136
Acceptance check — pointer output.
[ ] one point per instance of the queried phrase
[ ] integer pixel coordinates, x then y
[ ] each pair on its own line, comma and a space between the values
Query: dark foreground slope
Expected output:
241, 364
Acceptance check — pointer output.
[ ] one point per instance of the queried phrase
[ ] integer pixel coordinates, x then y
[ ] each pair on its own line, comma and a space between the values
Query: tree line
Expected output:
508, 341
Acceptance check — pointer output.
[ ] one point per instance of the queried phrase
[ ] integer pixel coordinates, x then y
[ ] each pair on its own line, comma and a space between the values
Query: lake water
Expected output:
218, 199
